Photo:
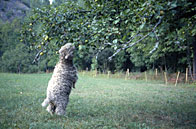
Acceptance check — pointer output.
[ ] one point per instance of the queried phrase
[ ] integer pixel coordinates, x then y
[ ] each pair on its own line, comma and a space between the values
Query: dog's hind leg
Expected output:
51, 108
61, 106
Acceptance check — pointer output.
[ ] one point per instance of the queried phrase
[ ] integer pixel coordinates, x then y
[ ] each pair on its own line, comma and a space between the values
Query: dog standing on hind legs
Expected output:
62, 81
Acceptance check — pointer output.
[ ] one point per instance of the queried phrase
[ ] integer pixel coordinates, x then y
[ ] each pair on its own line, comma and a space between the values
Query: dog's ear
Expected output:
60, 51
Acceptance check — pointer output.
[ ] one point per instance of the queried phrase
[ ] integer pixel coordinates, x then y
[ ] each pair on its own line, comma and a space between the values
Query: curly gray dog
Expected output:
63, 80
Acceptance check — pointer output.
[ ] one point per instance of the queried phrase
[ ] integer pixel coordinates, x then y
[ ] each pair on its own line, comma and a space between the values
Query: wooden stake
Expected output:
127, 74
118, 74
108, 74
177, 78
146, 77
165, 77
186, 75
156, 72
94, 73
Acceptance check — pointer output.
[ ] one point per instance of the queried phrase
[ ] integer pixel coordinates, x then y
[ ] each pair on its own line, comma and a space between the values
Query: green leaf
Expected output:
115, 41
116, 21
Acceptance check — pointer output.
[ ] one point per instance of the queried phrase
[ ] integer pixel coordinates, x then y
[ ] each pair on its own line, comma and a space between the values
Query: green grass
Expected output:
97, 103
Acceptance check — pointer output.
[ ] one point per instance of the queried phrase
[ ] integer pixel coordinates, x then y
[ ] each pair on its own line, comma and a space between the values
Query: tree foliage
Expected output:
14, 56
152, 32
108, 34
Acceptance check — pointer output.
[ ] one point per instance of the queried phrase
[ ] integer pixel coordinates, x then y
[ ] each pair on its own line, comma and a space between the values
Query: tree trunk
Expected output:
19, 68
194, 60
165, 63
190, 72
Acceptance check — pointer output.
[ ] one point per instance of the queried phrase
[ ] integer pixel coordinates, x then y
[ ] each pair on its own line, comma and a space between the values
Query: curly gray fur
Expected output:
63, 80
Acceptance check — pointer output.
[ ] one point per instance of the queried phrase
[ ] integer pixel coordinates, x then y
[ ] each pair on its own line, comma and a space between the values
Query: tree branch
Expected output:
146, 34
37, 56
131, 45
156, 45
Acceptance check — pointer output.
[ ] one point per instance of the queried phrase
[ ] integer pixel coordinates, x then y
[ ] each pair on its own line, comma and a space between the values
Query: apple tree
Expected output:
156, 29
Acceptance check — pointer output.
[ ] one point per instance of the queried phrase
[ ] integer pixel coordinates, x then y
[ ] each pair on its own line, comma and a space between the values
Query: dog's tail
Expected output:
45, 103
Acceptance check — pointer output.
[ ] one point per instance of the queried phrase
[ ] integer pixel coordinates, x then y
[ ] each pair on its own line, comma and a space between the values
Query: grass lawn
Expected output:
97, 103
